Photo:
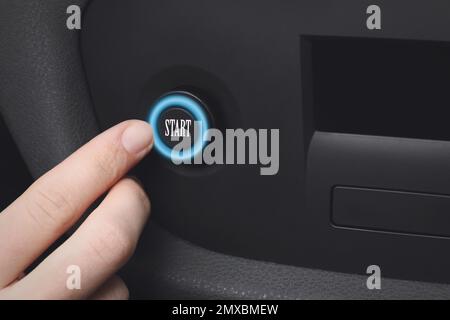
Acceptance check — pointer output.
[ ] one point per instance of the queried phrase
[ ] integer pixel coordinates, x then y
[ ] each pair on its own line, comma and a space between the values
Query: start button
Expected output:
176, 117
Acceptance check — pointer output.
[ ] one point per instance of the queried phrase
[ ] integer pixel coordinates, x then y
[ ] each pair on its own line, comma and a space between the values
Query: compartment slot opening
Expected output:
384, 87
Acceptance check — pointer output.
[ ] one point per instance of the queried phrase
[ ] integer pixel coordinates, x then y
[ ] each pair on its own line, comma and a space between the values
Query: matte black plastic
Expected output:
253, 58
385, 87
388, 210
46, 104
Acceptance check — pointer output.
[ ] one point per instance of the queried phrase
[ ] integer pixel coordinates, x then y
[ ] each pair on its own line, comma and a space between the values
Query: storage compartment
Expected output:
390, 210
384, 87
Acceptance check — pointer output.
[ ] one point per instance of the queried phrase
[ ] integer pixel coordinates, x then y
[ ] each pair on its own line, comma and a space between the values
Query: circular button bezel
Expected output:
194, 106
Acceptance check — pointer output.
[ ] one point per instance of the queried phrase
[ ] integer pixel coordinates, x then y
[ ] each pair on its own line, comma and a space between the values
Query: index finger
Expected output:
58, 199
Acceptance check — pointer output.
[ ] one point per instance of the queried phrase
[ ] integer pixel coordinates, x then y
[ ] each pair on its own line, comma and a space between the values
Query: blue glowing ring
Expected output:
178, 100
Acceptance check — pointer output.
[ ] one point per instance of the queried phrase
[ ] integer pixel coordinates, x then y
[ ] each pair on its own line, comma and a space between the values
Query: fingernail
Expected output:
137, 137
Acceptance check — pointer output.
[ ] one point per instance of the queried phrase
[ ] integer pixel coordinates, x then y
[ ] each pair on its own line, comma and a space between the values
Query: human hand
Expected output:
51, 205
